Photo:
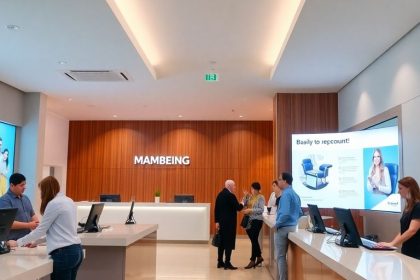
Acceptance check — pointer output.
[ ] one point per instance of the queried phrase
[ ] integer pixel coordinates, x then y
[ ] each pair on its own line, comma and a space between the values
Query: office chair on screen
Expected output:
393, 174
315, 179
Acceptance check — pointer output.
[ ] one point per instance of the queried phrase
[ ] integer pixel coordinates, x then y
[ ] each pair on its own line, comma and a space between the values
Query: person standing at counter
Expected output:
225, 211
287, 217
410, 219
254, 209
59, 225
274, 199
25, 219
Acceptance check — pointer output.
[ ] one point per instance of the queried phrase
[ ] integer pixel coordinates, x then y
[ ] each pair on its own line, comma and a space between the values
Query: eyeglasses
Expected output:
376, 156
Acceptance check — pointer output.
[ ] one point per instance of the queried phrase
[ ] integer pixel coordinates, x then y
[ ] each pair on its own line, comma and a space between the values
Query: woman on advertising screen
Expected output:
378, 176
4, 169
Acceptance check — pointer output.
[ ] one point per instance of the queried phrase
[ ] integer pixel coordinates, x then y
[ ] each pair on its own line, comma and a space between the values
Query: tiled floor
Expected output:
198, 261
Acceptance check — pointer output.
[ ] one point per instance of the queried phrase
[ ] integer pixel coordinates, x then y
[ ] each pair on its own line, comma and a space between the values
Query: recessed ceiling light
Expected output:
62, 62
12, 27
241, 116
114, 116
70, 99
180, 116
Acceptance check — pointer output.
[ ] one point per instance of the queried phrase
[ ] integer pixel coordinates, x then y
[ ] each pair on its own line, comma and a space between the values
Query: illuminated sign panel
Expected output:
162, 160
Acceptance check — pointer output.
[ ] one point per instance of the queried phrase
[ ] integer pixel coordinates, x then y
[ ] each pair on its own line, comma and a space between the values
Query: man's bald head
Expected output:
230, 185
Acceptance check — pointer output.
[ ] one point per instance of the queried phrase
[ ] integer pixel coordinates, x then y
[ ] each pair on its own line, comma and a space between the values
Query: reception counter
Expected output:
316, 256
26, 263
176, 221
120, 252
311, 255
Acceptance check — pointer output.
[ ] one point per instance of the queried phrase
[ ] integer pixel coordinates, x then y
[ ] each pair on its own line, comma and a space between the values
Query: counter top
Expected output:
118, 235
149, 204
356, 263
177, 221
25, 263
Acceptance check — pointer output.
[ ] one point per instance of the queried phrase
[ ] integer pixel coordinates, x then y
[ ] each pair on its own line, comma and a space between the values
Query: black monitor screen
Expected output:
7, 216
349, 234
184, 198
110, 198
92, 222
316, 218
130, 219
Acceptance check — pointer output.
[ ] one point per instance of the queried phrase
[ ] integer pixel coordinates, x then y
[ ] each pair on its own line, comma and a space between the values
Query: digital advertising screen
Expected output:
357, 170
7, 154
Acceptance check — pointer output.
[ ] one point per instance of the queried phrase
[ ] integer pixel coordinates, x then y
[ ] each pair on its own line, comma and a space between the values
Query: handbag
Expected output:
245, 221
216, 241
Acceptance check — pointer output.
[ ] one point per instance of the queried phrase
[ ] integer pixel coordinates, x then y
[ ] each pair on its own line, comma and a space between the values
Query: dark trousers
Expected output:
253, 233
66, 262
228, 254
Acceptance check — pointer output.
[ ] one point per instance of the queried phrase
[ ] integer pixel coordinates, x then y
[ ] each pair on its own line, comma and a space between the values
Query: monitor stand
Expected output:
345, 241
4, 248
130, 220
95, 227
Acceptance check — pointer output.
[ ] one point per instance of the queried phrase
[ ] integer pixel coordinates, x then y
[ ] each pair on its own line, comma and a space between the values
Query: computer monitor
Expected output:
92, 222
110, 198
349, 234
316, 218
7, 216
184, 198
130, 219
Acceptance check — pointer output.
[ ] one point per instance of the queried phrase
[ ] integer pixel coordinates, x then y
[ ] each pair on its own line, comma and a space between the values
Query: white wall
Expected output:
56, 146
30, 144
392, 80
11, 105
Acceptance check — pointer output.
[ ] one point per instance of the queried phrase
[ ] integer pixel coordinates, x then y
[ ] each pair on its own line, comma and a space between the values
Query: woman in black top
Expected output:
410, 220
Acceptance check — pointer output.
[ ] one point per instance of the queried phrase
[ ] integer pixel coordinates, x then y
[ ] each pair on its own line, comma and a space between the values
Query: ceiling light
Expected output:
180, 116
62, 62
287, 17
114, 116
128, 14
241, 116
70, 99
12, 27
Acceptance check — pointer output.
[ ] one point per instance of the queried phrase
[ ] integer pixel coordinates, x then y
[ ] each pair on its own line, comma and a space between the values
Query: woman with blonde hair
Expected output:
378, 178
254, 209
59, 226
409, 235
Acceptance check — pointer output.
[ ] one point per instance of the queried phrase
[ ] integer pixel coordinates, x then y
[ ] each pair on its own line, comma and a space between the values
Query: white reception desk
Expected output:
25, 263
176, 221
348, 263
120, 252
316, 256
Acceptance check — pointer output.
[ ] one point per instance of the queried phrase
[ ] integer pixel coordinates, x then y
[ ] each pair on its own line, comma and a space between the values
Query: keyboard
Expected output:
80, 230
332, 231
372, 245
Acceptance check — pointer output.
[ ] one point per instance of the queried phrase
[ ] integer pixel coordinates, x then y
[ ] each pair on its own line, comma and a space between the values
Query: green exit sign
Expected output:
211, 77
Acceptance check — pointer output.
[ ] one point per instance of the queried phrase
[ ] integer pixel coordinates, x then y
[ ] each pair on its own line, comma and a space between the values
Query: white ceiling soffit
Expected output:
331, 42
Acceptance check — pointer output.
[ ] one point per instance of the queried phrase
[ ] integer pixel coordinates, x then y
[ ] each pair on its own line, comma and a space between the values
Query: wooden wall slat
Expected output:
100, 158
304, 113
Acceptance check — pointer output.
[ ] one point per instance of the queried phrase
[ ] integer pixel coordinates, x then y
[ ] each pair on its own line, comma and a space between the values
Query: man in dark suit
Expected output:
225, 212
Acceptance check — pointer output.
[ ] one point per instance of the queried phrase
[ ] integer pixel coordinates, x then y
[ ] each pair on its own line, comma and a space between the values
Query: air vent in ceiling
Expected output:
96, 75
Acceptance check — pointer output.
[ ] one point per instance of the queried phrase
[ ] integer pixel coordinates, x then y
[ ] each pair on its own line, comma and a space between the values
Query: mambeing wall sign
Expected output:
162, 160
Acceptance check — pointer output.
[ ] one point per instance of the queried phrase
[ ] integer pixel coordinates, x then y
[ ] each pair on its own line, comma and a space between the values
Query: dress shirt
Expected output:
59, 224
289, 209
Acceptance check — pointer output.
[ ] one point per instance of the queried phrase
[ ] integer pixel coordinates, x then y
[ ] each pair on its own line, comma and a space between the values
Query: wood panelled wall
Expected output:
304, 113
101, 158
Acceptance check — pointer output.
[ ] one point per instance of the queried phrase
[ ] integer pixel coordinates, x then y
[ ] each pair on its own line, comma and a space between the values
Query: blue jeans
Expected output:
281, 242
66, 262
